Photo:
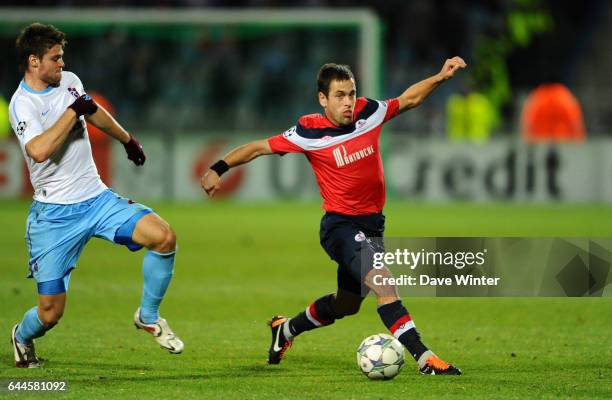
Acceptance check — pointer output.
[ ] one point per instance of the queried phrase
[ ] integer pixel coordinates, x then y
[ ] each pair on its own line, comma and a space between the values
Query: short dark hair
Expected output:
332, 72
37, 39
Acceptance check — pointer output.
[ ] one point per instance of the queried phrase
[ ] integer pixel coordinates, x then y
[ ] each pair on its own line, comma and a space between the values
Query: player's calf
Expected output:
318, 314
385, 293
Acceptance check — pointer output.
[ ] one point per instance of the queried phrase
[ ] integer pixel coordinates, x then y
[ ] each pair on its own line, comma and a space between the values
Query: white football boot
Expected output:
161, 332
25, 354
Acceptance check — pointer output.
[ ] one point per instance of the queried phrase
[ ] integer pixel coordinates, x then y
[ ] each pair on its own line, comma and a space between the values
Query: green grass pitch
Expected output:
238, 264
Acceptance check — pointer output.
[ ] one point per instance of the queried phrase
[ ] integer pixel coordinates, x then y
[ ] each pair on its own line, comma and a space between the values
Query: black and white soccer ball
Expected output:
380, 356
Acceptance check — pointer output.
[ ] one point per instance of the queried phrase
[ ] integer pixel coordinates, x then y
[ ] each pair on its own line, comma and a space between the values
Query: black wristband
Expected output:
220, 167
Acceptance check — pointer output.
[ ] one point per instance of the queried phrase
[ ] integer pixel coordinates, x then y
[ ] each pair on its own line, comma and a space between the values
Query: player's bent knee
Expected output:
51, 309
166, 242
350, 310
346, 307
170, 240
50, 317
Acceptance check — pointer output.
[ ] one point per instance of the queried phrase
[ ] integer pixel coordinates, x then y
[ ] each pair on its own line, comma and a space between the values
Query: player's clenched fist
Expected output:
84, 105
134, 151
451, 66
211, 182
211, 179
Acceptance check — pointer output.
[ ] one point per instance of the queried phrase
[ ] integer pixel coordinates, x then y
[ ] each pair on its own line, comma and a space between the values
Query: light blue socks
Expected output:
30, 327
157, 269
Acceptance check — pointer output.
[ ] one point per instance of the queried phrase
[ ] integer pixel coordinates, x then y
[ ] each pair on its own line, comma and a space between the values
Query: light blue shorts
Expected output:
57, 233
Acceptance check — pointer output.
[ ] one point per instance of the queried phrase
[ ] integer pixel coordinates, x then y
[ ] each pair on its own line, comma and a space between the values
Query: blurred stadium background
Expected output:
491, 153
194, 78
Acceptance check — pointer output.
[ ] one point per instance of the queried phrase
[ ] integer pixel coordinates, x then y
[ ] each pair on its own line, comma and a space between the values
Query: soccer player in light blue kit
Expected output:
71, 204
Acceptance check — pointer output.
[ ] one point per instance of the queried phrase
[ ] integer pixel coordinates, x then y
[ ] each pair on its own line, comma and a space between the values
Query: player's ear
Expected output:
33, 61
322, 99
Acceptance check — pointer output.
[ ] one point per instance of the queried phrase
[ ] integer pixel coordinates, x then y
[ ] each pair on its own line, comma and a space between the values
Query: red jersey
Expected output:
345, 159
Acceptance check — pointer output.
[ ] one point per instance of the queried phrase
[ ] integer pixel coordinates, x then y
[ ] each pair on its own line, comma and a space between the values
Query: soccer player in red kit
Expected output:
342, 146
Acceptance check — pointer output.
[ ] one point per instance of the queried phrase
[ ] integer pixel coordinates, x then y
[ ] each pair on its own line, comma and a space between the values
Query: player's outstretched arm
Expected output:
102, 119
211, 180
42, 146
417, 93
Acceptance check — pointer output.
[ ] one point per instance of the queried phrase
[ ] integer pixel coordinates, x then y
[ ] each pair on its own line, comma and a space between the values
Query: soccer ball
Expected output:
380, 356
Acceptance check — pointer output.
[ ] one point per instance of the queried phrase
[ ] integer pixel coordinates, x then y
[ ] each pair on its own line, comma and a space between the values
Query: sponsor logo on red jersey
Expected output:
342, 158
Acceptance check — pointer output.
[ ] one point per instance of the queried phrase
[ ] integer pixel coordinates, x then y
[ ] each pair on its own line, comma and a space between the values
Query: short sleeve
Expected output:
281, 144
392, 109
75, 82
25, 120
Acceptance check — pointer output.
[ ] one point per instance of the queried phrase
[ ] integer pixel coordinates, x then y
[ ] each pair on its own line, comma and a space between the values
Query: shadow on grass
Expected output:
91, 372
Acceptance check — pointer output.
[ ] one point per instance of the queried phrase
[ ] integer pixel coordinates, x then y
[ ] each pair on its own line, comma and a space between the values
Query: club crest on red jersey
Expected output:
289, 132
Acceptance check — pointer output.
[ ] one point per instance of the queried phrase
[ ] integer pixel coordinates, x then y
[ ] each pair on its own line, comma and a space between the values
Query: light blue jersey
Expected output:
69, 176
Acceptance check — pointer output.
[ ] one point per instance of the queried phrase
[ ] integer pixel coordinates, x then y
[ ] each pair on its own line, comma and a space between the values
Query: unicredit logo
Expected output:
343, 158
